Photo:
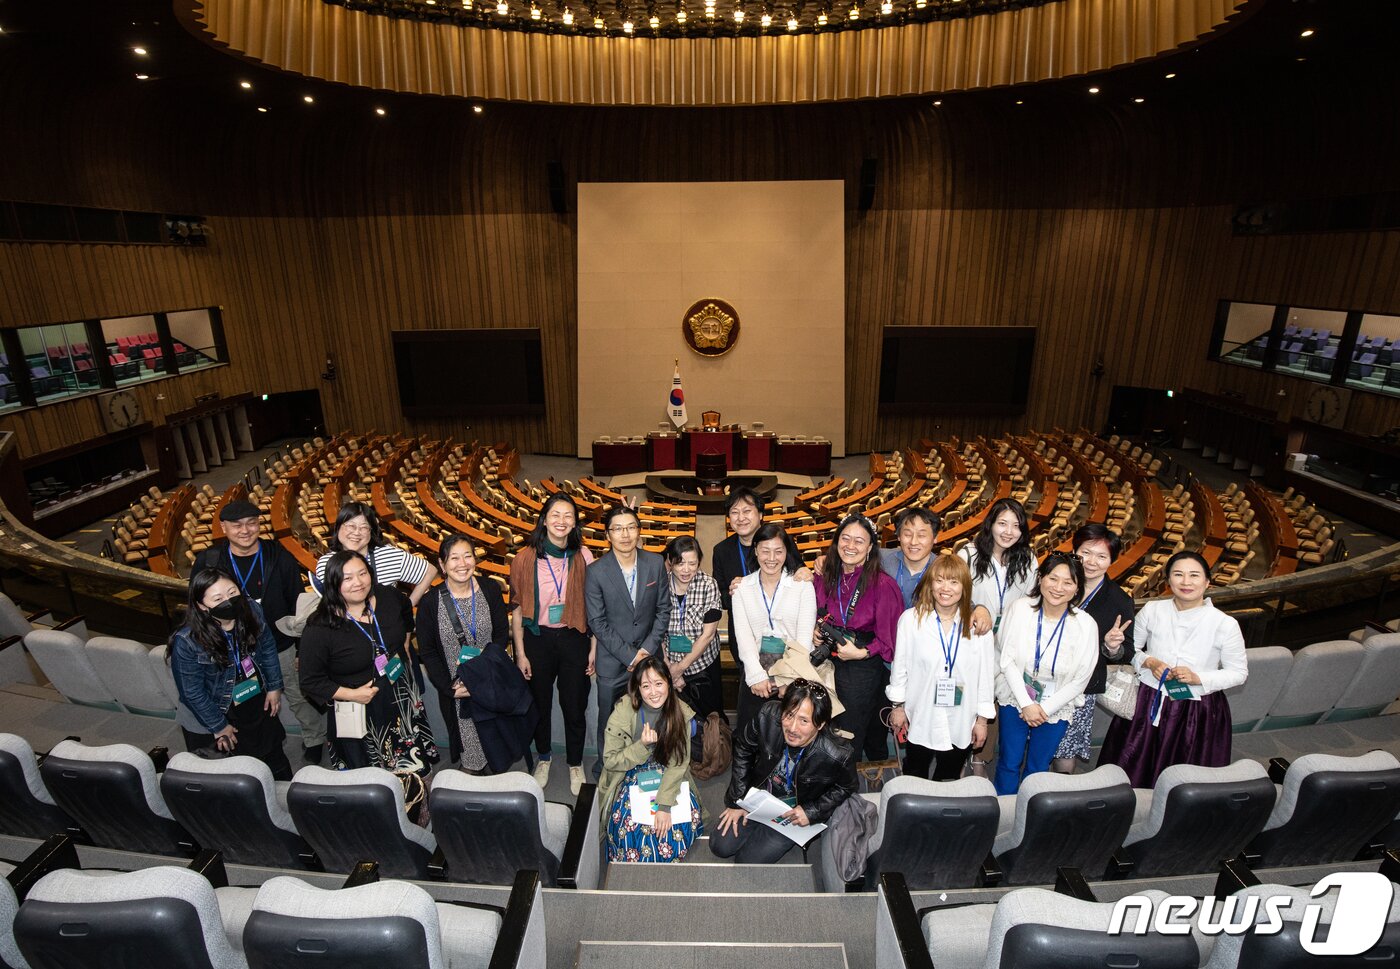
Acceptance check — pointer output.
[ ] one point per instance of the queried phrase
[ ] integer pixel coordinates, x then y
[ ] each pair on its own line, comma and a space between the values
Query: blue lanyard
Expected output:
1057, 637
949, 656
1089, 598
743, 562
768, 606
631, 584
377, 640
849, 603
902, 572
1001, 586
1157, 696
558, 587
789, 768
680, 598
234, 651
458, 606
243, 579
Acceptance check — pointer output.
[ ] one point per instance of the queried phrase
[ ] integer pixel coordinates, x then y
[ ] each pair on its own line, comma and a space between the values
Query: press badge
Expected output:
947, 693
556, 614
393, 669
1039, 692
467, 653
247, 665
246, 689
772, 646
681, 644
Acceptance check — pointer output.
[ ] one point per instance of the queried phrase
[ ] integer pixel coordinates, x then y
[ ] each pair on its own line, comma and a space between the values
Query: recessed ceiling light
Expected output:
654, 21
1093, 90
887, 8
855, 13
1171, 75
139, 51
308, 99
680, 15
568, 17
766, 20
380, 111
938, 104
1020, 102
792, 23
627, 26
478, 108
143, 77
1138, 100
821, 19
262, 110
739, 15
245, 85
1307, 33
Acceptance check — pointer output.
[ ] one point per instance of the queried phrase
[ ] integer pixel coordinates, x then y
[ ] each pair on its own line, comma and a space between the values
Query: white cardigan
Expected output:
794, 617
984, 590
1079, 654
918, 662
1205, 639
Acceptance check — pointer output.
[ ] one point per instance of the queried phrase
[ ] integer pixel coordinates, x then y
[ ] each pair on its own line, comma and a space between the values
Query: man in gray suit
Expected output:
629, 608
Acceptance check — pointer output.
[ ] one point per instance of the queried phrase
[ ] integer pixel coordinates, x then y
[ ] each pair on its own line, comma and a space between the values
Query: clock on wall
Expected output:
1327, 406
120, 410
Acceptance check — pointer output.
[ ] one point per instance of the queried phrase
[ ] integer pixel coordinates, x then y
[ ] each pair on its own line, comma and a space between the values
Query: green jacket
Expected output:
622, 751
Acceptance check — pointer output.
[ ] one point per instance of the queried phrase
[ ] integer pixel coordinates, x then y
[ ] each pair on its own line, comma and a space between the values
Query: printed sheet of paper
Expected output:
767, 809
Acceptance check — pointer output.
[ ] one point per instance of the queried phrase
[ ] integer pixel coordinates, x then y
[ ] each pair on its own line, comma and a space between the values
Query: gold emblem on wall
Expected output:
710, 327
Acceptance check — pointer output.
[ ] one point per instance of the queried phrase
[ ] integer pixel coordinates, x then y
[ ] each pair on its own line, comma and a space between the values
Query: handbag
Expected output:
716, 745
1120, 691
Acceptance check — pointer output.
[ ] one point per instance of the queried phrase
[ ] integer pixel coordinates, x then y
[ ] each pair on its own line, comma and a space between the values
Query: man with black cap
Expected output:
267, 573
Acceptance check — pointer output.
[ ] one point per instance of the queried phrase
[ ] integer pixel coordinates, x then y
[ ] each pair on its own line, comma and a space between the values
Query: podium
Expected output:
722, 441
665, 451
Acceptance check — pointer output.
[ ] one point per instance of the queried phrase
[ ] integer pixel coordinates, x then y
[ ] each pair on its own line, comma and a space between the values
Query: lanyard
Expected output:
1057, 637
680, 597
850, 604
789, 768
243, 579
1157, 696
458, 606
903, 572
377, 640
1001, 586
631, 579
950, 656
558, 587
743, 562
1089, 598
234, 651
767, 605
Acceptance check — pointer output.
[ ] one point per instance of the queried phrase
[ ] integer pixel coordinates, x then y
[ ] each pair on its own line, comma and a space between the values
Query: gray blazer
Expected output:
620, 627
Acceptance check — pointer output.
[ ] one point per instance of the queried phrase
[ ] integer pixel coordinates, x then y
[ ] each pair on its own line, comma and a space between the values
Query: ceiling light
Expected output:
380, 111
920, 4
739, 15
143, 77
680, 15
1020, 102
503, 8
1307, 33
534, 13
431, 3
1138, 100
597, 23
568, 17
1171, 75
887, 8
792, 23
855, 13
627, 26
1093, 90
938, 104
139, 51
308, 99
466, 4
654, 21
821, 19
478, 109
766, 20
262, 110
246, 85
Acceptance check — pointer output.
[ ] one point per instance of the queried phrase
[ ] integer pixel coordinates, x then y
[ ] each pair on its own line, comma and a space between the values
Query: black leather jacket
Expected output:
825, 777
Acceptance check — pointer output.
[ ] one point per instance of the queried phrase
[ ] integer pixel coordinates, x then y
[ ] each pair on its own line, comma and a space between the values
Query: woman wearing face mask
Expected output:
355, 649
357, 529
224, 660
1112, 611
647, 745
941, 683
1180, 643
692, 642
1048, 652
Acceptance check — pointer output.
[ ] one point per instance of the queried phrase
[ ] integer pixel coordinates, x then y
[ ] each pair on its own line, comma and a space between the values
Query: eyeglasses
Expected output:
623, 529
813, 688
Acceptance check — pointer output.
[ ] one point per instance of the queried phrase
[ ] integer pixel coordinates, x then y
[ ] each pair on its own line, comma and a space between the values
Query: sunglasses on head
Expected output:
813, 688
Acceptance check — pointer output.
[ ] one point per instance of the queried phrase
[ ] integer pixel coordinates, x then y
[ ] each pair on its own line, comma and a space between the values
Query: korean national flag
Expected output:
675, 404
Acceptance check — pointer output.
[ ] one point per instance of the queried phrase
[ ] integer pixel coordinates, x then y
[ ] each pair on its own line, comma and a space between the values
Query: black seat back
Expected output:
147, 932
936, 842
1284, 950
272, 941
1204, 824
1072, 829
106, 798
228, 812
22, 815
1336, 815
345, 824
488, 836
1034, 946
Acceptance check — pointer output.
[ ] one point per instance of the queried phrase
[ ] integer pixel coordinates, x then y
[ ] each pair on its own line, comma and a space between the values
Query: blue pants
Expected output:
1018, 743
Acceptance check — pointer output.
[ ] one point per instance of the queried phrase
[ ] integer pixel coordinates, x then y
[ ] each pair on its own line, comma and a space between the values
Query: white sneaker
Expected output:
575, 780
542, 774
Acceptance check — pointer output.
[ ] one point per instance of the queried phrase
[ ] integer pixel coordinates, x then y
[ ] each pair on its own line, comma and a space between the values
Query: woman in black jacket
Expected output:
456, 621
787, 751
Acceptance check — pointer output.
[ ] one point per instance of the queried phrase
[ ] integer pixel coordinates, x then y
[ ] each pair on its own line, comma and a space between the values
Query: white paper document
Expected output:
643, 804
764, 807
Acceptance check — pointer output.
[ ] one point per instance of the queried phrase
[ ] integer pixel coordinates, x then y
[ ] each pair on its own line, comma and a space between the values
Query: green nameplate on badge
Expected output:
1178, 690
789, 801
1035, 688
649, 781
996, 625
468, 653
394, 669
246, 690
681, 644
772, 646
556, 614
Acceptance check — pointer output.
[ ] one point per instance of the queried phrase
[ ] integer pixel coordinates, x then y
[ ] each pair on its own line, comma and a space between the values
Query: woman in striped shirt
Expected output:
357, 529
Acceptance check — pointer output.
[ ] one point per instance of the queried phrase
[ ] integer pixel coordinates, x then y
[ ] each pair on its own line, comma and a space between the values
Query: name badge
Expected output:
1177, 690
247, 666
649, 781
681, 644
947, 693
467, 653
790, 800
394, 669
246, 690
996, 625
556, 614
381, 662
1039, 690
772, 646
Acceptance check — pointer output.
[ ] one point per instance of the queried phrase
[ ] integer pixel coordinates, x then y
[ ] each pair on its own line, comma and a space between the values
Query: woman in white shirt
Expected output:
1181, 641
1048, 652
942, 676
769, 609
1002, 563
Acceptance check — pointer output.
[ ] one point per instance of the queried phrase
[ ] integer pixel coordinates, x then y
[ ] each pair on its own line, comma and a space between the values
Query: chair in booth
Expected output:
113, 793
1328, 809
1198, 817
124, 667
64, 660
1269, 667
1063, 820
346, 816
488, 828
1376, 683
162, 916
1320, 674
232, 804
391, 925
1282, 949
937, 833
27, 809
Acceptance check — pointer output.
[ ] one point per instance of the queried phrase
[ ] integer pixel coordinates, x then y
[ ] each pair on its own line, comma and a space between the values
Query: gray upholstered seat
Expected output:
387, 925
1329, 808
938, 833
1033, 927
1376, 683
1075, 820
231, 804
1198, 817
1320, 673
491, 827
1251, 701
160, 669
114, 794
27, 809
1282, 950
349, 816
64, 660
124, 667
162, 916
9, 905
14, 663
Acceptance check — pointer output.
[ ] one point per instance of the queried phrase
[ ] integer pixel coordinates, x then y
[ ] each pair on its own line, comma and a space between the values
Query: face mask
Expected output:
225, 611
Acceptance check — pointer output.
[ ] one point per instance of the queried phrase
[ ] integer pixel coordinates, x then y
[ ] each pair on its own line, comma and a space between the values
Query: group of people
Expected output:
982, 660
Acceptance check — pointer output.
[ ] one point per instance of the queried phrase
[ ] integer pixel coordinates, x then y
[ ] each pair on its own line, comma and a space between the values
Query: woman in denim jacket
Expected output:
224, 660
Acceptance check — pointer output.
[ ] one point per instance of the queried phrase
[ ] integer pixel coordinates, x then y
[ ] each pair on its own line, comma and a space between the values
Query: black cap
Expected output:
238, 510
